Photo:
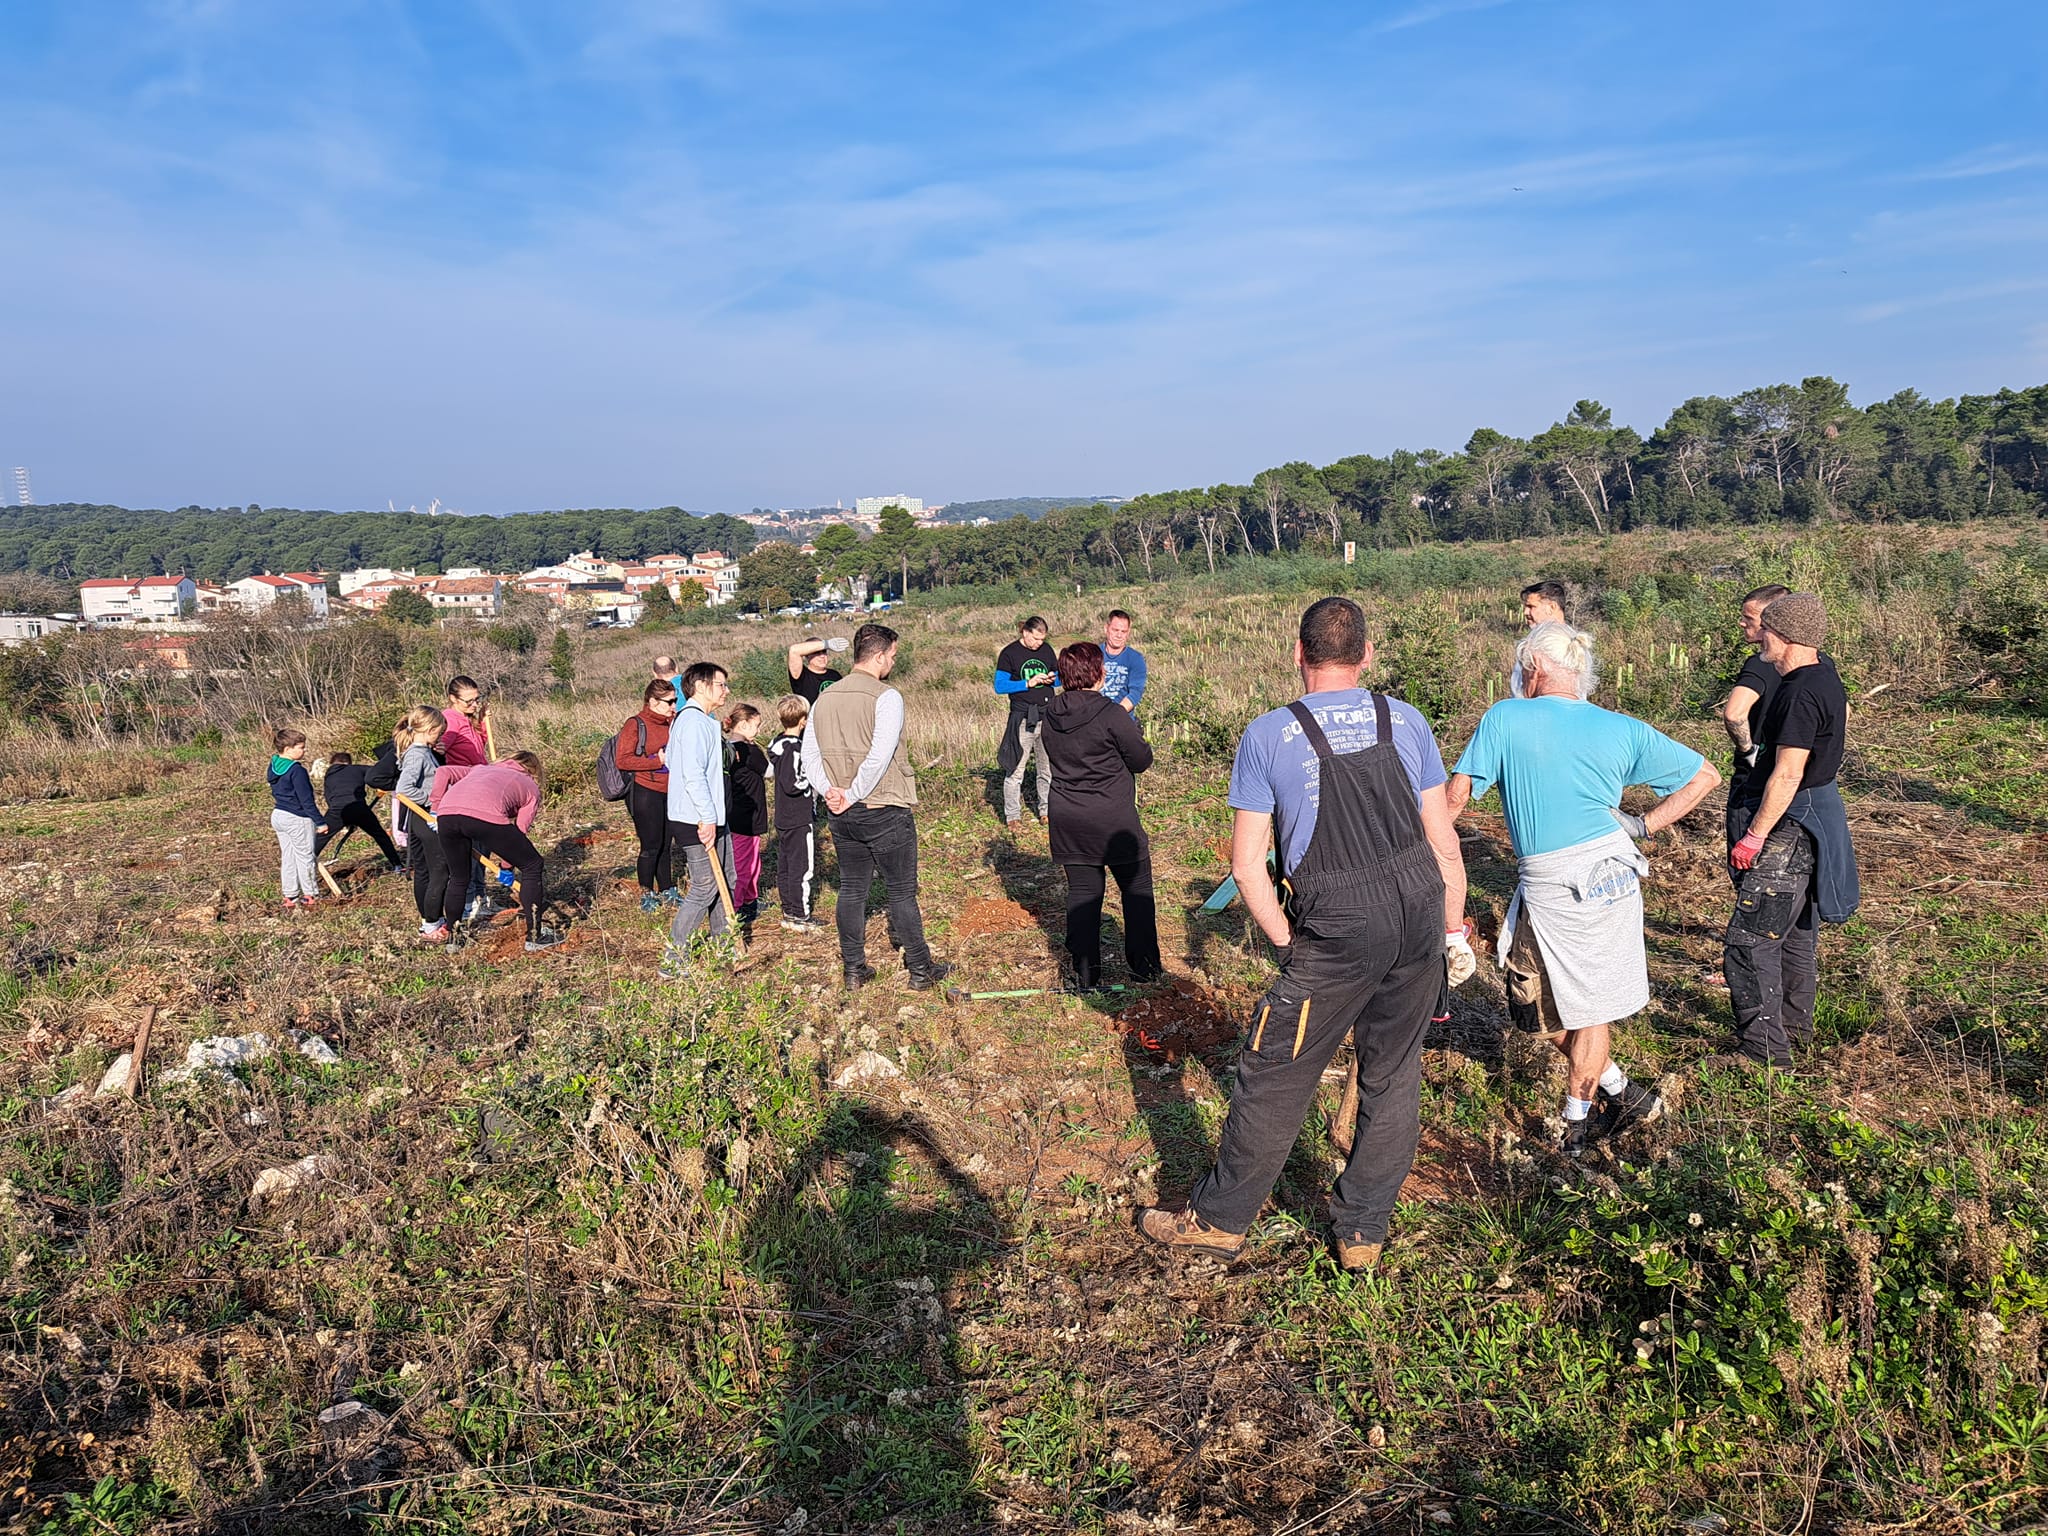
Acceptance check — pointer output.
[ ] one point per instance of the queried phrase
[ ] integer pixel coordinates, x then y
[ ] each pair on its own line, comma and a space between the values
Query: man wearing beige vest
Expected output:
854, 755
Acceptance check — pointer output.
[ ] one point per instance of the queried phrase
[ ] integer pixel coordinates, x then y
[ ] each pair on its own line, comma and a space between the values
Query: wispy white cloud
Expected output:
1435, 10
1974, 293
1991, 160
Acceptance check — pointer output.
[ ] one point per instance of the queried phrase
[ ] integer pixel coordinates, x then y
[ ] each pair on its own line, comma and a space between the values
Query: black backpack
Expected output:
611, 782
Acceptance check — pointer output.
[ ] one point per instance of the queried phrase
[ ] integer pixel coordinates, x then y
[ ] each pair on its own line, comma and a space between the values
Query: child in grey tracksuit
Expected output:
295, 818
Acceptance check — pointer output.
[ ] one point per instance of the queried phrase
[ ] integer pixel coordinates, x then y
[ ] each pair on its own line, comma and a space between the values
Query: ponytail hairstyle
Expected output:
739, 715
1560, 650
420, 726
530, 761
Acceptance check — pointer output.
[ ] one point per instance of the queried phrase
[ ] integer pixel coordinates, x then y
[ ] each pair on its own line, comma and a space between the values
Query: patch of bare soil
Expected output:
997, 915
1450, 1165
1181, 1019
597, 837
505, 939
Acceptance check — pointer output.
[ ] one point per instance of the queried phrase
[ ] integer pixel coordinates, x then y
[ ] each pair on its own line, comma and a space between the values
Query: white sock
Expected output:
1613, 1079
1577, 1109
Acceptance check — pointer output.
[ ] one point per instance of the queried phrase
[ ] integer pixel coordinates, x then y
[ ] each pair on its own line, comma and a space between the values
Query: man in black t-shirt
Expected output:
809, 674
1742, 714
1791, 837
1026, 677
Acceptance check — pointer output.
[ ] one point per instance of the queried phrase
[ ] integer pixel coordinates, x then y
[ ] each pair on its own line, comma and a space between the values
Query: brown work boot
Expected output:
1187, 1232
1357, 1256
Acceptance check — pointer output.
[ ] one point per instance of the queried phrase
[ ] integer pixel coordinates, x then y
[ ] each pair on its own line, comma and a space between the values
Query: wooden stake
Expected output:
329, 878
1344, 1129
134, 1084
724, 891
490, 741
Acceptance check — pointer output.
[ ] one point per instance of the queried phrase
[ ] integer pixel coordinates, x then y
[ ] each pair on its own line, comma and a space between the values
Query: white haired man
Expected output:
1572, 945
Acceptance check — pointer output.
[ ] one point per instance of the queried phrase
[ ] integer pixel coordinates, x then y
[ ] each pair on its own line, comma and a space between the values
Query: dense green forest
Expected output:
1783, 453
1801, 453
78, 542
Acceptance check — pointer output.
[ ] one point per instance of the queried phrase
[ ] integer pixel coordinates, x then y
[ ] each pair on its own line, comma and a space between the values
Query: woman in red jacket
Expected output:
638, 755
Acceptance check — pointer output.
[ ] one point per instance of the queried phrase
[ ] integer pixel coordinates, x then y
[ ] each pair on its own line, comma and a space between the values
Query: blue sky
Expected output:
719, 254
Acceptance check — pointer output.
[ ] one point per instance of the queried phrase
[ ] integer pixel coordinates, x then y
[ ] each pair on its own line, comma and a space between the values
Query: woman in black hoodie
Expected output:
1097, 751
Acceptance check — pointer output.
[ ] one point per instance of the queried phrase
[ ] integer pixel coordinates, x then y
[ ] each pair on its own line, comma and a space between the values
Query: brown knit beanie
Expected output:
1799, 618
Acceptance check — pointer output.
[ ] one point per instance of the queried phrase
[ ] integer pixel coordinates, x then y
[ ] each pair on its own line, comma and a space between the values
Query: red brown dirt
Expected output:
1450, 1166
1181, 1019
999, 915
505, 940
598, 836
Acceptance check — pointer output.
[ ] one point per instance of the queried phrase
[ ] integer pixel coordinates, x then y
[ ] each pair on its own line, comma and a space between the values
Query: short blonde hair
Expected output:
1561, 649
792, 710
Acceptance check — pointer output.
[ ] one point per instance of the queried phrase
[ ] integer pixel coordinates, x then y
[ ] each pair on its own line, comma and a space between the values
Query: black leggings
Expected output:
363, 819
463, 838
1085, 890
649, 808
429, 871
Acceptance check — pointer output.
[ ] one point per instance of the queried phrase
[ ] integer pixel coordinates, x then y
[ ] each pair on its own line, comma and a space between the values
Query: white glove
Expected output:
1634, 826
836, 644
1748, 755
1459, 960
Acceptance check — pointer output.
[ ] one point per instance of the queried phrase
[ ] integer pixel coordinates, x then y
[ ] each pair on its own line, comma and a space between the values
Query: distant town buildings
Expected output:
871, 506
608, 589
584, 584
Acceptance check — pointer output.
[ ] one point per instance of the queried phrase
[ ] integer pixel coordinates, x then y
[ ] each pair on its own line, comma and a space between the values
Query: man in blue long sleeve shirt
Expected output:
1025, 667
695, 758
1123, 664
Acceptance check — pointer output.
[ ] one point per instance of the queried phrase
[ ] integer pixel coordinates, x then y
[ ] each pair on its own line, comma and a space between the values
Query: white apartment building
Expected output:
871, 506
132, 600
348, 583
256, 593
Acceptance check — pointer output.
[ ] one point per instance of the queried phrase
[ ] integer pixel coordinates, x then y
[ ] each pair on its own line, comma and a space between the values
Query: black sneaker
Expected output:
854, 977
1578, 1138
1634, 1105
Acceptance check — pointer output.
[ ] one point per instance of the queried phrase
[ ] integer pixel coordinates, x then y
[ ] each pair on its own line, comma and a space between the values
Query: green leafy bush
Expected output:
2006, 624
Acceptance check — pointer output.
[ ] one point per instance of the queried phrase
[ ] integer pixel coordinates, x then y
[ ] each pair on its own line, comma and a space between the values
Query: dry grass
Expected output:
608, 1256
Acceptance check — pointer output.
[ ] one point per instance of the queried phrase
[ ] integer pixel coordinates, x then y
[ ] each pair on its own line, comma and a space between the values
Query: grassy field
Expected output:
584, 1252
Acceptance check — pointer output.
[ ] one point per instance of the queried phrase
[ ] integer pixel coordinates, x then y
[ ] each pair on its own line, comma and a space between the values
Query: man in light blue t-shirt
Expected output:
1572, 947
1278, 774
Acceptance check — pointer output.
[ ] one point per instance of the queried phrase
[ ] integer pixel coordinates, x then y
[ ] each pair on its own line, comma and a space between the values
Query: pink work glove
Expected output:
1746, 851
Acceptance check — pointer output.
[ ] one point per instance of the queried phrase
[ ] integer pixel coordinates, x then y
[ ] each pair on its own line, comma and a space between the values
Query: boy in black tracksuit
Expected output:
348, 806
796, 816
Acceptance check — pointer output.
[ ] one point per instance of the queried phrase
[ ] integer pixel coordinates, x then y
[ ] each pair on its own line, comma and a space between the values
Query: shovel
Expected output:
732, 916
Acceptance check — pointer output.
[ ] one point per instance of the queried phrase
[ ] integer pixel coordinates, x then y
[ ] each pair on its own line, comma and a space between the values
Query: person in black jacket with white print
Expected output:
1097, 751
